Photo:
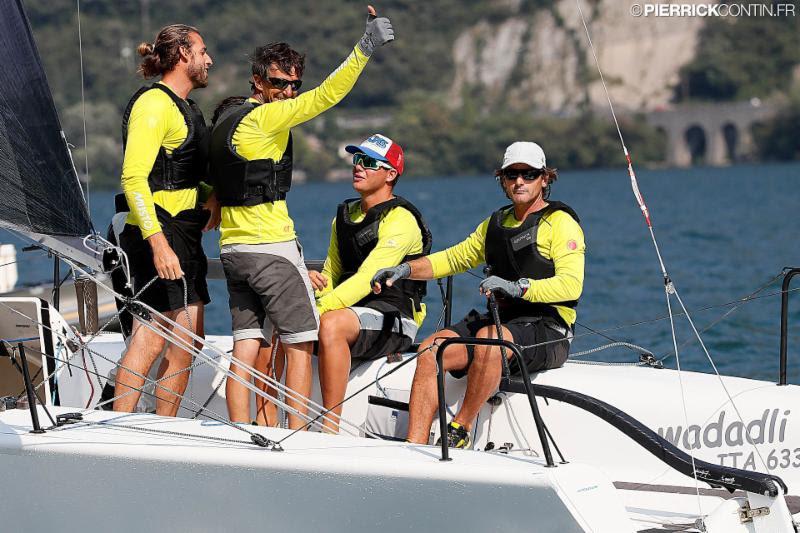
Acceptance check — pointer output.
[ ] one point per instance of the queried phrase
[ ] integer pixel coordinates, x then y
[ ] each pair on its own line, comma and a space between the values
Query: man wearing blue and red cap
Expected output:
377, 230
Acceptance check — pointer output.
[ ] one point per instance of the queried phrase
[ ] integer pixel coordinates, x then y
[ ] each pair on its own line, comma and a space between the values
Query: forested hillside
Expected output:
407, 90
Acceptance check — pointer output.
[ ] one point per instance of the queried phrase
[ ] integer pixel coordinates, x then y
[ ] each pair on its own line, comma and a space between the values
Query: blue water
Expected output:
723, 233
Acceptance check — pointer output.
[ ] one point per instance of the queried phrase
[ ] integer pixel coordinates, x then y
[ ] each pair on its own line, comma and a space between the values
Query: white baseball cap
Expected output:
525, 152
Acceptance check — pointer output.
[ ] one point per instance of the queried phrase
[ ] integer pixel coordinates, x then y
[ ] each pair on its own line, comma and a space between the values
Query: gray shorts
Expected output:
268, 287
373, 342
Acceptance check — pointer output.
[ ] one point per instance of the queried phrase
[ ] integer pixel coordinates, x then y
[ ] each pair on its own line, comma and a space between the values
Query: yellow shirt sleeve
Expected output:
469, 253
155, 121
398, 236
282, 115
560, 238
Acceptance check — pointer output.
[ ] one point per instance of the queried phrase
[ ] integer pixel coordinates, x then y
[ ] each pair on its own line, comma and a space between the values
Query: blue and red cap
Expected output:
381, 148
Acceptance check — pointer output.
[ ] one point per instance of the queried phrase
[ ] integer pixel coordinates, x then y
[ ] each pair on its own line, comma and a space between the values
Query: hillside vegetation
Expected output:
407, 87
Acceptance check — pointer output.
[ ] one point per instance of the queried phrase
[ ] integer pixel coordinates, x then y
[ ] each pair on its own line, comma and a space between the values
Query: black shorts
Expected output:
376, 339
184, 234
526, 332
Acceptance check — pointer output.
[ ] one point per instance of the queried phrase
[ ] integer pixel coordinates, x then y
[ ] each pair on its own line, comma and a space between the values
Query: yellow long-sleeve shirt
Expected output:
398, 236
155, 122
559, 238
264, 134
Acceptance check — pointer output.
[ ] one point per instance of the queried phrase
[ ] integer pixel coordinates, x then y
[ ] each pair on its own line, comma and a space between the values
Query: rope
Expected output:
83, 106
192, 349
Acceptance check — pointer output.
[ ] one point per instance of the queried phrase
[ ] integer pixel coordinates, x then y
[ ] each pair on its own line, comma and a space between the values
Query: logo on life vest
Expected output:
522, 240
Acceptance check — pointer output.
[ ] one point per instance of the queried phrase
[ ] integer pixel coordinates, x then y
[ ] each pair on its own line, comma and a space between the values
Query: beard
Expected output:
198, 73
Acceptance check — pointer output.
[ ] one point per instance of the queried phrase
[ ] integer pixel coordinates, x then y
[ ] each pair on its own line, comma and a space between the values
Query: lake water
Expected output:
723, 233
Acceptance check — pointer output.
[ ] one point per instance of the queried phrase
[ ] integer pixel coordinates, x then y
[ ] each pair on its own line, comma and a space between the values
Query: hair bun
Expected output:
145, 49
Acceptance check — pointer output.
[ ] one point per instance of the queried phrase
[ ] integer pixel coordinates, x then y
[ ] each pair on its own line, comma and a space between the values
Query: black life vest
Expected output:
186, 166
511, 253
357, 239
238, 181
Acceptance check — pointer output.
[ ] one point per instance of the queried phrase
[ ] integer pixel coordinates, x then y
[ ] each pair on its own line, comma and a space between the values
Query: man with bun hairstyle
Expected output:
164, 139
377, 230
534, 250
251, 160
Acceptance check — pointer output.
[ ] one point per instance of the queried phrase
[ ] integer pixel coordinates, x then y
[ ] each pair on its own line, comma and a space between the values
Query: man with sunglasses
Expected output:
377, 230
250, 162
534, 249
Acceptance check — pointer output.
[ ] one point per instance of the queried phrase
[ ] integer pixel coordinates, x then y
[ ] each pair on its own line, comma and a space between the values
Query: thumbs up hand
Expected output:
378, 32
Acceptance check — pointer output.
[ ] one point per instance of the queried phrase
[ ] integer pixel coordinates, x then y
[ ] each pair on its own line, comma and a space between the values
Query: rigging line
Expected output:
592, 331
740, 301
171, 336
14, 351
180, 434
192, 349
215, 416
678, 314
362, 389
9, 263
290, 393
83, 107
668, 284
683, 397
722, 382
726, 314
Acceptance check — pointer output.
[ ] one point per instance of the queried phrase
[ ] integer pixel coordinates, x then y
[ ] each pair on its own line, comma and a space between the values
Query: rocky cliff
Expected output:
543, 59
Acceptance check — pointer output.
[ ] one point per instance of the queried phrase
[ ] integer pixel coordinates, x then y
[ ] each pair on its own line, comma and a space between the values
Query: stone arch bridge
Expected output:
713, 134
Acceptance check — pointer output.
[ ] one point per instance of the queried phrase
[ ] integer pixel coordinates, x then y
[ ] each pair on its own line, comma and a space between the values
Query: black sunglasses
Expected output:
527, 175
281, 84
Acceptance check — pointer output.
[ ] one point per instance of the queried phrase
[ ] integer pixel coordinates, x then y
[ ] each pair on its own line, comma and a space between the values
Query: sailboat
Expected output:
600, 448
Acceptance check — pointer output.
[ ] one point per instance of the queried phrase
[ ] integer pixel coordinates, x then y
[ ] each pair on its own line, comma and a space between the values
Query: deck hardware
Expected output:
746, 513
68, 418
8, 403
649, 359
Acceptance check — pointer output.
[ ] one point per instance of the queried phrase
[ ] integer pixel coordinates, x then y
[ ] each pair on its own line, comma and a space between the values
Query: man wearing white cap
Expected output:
377, 230
534, 249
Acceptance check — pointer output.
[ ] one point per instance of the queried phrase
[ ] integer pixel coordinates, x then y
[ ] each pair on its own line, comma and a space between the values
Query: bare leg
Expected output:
266, 411
424, 396
338, 331
177, 359
236, 394
483, 376
298, 378
145, 346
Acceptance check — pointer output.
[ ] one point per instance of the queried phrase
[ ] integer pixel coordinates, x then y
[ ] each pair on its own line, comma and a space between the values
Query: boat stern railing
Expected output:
787, 279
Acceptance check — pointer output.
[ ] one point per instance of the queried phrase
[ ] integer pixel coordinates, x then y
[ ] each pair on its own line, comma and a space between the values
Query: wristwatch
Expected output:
524, 284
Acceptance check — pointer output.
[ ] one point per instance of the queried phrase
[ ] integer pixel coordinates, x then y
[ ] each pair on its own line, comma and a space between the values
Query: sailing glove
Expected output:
393, 275
496, 285
379, 32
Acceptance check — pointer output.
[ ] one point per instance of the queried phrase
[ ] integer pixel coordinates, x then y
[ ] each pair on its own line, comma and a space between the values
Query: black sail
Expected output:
39, 189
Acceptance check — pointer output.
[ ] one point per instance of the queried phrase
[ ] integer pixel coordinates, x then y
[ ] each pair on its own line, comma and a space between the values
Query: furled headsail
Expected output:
40, 195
